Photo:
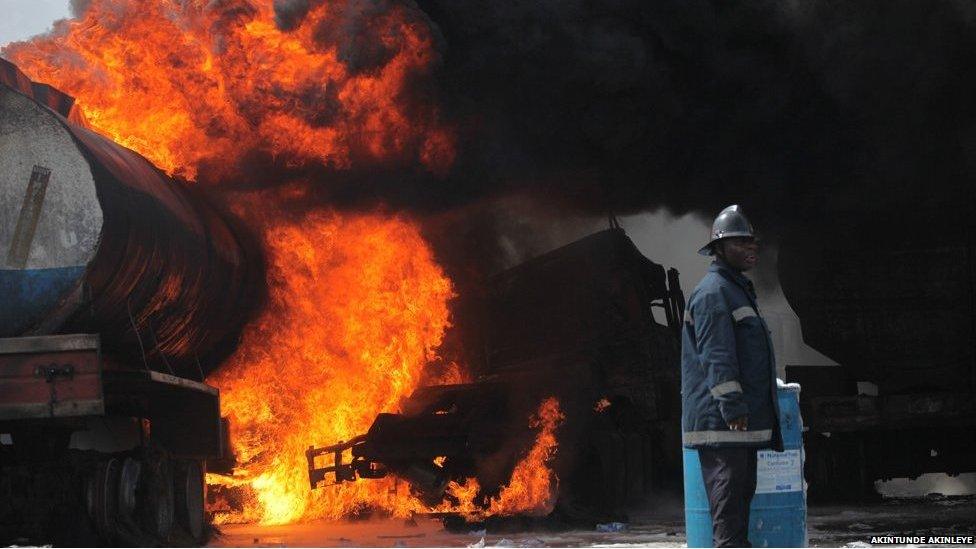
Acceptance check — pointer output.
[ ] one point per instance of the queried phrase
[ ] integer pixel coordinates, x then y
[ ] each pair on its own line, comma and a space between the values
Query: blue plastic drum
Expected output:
778, 515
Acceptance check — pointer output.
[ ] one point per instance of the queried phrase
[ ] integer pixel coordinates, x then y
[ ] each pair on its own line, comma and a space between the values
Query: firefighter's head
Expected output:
733, 240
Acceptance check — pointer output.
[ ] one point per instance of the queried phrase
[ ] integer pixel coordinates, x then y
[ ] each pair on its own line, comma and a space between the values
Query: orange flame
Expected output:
194, 83
358, 307
601, 405
534, 485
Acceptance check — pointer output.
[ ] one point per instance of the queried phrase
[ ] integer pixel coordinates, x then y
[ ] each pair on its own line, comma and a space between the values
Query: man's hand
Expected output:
739, 424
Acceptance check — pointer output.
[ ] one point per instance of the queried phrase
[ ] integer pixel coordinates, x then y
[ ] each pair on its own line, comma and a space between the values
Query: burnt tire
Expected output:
129, 479
190, 496
157, 499
104, 498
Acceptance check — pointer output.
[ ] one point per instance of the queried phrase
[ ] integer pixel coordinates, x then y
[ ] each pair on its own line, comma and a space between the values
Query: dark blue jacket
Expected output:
727, 365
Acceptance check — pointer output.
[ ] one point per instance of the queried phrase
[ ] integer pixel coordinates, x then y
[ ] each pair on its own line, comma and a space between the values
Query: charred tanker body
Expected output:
577, 324
96, 239
897, 310
122, 289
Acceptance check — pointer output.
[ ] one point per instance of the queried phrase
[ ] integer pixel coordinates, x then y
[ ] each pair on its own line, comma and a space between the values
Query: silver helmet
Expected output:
730, 222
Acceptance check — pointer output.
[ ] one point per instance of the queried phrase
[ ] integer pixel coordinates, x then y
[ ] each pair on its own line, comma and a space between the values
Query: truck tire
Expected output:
190, 496
105, 498
158, 500
129, 478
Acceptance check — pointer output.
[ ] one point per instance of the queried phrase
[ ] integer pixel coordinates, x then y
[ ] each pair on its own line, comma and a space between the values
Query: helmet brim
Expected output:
707, 249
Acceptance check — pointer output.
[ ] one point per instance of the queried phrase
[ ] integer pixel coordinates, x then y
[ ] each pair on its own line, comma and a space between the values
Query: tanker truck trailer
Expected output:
120, 289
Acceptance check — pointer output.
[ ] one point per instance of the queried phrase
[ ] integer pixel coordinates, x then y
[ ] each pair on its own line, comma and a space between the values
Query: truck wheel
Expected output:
190, 495
128, 490
91, 481
158, 500
104, 496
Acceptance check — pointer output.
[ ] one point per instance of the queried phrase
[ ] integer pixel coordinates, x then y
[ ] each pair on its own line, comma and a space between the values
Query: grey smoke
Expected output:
79, 7
355, 26
290, 13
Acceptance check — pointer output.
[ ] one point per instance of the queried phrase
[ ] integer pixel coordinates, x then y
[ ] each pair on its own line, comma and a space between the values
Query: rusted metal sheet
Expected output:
61, 380
45, 344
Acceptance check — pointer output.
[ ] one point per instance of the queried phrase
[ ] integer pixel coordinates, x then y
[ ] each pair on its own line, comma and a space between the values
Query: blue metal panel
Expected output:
28, 295
698, 519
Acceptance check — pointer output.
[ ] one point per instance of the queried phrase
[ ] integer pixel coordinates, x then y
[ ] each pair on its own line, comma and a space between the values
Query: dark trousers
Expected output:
730, 481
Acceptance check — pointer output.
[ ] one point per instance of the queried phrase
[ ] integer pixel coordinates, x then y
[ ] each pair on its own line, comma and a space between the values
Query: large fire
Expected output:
358, 306
193, 83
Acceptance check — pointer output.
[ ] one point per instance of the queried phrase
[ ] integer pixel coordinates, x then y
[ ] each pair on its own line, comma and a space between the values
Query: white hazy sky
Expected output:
20, 19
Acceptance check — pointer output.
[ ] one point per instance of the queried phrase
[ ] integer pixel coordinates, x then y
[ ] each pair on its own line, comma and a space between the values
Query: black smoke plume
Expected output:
593, 106
630, 105
797, 110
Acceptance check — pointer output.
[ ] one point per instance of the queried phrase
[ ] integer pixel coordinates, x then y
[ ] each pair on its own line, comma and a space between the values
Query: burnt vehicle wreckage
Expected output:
578, 324
111, 320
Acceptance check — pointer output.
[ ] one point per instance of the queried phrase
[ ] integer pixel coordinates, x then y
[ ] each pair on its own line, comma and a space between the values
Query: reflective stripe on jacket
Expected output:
727, 365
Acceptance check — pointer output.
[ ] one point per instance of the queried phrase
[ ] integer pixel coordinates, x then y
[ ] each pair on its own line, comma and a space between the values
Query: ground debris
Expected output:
827, 526
612, 527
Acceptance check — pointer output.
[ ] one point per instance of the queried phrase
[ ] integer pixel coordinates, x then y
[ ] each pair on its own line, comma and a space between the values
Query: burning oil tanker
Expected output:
104, 243
286, 100
356, 304
122, 290
98, 240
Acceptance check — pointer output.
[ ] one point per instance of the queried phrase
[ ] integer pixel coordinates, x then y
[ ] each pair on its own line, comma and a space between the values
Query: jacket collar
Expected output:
721, 267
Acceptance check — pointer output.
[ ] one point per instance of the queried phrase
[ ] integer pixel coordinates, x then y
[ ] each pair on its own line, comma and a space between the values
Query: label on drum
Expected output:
778, 472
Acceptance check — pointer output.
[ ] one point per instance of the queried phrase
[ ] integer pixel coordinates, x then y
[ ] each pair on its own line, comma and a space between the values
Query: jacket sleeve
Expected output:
715, 337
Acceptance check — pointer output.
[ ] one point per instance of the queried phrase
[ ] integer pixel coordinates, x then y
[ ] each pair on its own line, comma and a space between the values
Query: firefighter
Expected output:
728, 378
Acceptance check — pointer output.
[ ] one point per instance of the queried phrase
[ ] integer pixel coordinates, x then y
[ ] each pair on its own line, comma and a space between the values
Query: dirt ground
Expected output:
827, 526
